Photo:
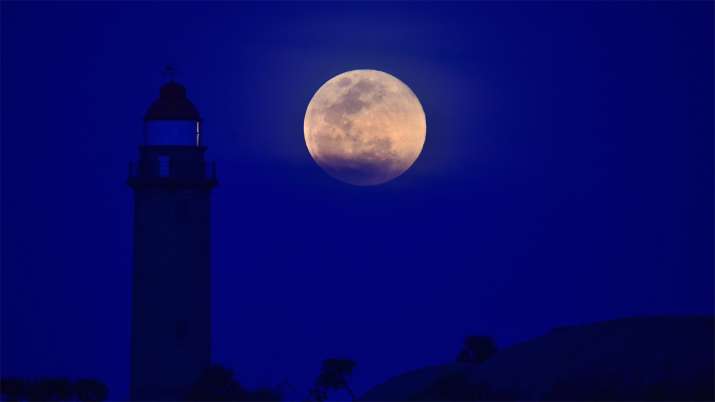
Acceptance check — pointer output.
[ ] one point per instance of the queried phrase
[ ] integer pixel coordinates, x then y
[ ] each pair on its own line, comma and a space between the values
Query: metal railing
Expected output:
173, 170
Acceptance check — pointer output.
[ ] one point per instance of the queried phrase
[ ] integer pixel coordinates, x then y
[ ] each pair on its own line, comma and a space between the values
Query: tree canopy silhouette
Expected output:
13, 389
477, 349
89, 390
335, 375
53, 389
217, 383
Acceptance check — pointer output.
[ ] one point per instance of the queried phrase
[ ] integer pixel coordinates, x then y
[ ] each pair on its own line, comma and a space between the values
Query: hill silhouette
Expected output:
642, 358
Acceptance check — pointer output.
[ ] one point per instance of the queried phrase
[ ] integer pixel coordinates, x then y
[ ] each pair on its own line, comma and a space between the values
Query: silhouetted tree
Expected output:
334, 375
90, 390
477, 349
319, 394
13, 389
39, 391
60, 389
217, 383
263, 395
53, 389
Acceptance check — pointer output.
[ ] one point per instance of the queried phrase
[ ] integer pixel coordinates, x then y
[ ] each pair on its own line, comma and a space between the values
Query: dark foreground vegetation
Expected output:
634, 359
53, 389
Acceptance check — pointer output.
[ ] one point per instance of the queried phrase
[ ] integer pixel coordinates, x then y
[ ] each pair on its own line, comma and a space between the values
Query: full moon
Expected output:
364, 127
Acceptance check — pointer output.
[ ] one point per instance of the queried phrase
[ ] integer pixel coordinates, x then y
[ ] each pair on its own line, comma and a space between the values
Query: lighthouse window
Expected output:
198, 134
163, 166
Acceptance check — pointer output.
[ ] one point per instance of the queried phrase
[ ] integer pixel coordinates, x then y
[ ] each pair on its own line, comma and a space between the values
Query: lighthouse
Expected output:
171, 294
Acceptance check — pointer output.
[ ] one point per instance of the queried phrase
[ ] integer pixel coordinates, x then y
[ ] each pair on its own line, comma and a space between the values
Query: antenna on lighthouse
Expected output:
169, 72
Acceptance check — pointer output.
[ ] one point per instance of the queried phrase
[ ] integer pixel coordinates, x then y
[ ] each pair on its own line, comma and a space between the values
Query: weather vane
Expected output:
169, 72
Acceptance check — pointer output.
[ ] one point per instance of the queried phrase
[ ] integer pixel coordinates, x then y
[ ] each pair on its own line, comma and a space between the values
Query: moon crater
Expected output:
364, 127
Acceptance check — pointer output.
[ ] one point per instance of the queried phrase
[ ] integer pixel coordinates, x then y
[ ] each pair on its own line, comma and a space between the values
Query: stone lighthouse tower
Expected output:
171, 295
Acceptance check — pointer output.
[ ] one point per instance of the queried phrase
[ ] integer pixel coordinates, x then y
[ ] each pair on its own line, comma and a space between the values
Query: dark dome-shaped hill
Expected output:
645, 358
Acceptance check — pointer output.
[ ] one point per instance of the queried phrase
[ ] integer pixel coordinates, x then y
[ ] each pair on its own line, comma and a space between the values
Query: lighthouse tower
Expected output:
171, 295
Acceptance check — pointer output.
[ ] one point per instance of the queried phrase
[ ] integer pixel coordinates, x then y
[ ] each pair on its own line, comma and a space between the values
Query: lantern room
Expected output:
172, 120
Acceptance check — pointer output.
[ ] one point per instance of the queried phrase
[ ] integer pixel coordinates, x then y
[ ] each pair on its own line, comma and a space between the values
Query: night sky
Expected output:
567, 177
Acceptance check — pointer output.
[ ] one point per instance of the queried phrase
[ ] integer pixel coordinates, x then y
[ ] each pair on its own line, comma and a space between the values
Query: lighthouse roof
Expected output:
172, 105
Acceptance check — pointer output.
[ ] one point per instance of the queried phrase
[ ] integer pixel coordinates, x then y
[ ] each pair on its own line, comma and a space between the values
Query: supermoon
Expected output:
364, 127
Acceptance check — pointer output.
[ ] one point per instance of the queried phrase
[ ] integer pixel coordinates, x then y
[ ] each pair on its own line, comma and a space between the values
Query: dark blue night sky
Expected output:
567, 177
